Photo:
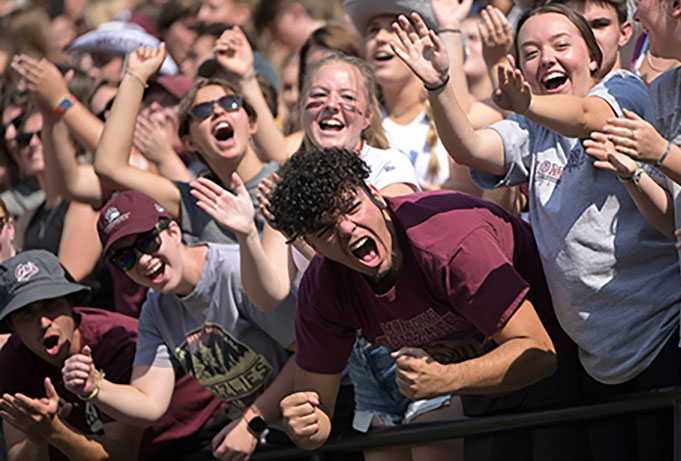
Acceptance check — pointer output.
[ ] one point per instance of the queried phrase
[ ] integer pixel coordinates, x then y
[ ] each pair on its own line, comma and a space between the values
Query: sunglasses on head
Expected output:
230, 103
24, 139
146, 243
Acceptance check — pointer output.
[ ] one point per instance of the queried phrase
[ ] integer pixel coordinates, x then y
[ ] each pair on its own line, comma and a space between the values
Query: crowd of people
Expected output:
227, 224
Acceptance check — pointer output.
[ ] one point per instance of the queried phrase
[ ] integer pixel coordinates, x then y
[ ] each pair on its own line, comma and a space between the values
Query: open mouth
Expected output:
382, 56
155, 271
223, 131
331, 125
365, 250
554, 81
51, 344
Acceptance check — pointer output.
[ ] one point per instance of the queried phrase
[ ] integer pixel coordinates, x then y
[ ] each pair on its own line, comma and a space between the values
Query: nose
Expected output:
547, 56
384, 34
635, 16
344, 226
35, 140
45, 322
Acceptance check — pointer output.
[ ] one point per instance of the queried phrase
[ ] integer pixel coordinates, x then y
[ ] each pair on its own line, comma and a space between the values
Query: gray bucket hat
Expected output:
31, 276
361, 11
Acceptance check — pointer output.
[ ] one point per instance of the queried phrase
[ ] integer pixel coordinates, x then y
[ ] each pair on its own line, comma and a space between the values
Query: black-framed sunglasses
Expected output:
231, 103
146, 243
3, 221
16, 121
24, 139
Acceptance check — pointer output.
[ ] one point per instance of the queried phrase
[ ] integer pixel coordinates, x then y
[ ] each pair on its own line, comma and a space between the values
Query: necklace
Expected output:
398, 114
45, 221
650, 64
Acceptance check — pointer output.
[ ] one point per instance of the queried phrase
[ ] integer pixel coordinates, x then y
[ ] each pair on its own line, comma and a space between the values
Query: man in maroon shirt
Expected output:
42, 419
451, 283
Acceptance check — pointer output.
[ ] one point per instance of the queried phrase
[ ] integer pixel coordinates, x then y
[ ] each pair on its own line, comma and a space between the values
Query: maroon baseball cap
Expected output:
176, 85
127, 213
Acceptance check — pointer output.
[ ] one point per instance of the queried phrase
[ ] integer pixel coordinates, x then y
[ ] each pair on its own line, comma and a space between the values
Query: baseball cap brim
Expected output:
37, 292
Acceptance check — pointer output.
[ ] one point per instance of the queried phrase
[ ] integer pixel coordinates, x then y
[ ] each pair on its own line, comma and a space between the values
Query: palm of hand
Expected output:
143, 64
450, 10
428, 62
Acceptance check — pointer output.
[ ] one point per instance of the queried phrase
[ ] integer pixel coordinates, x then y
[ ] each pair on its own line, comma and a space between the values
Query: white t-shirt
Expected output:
411, 141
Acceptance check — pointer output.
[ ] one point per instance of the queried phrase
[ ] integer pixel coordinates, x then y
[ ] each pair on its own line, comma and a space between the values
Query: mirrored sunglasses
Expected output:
146, 243
230, 103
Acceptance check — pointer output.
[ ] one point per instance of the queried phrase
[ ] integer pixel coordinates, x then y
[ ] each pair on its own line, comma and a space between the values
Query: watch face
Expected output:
257, 424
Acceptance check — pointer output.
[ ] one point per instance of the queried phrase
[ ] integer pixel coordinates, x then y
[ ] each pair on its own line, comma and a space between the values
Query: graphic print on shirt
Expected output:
230, 369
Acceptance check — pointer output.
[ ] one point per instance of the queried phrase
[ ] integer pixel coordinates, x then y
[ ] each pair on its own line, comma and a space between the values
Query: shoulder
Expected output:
622, 89
100, 325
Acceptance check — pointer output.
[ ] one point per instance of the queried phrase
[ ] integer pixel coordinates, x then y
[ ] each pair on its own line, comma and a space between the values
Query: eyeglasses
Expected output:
16, 122
146, 243
230, 103
24, 139
3, 221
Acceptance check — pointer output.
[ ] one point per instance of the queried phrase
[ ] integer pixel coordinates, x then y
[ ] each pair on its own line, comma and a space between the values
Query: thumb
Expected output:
68, 76
50, 391
405, 352
238, 185
312, 397
511, 59
86, 351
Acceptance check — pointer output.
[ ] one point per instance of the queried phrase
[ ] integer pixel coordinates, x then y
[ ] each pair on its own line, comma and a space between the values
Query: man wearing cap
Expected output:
42, 419
196, 313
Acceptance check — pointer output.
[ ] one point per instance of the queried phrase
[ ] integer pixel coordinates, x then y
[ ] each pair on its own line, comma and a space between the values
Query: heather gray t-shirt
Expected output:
664, 113
216, 333
614, 278
199, 226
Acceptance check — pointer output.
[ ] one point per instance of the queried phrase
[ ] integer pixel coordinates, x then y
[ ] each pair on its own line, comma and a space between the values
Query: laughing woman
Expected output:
215, 121
612, 276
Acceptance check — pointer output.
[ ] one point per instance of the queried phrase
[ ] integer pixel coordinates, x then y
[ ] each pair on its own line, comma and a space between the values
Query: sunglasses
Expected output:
24, 139
230, 103
146, 243
16, 122
3, 220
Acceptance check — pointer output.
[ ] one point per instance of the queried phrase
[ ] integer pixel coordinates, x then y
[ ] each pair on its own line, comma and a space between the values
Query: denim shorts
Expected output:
372, 371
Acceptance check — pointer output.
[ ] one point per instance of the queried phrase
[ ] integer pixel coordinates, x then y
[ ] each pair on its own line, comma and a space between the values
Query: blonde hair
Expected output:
431, 137
373, 134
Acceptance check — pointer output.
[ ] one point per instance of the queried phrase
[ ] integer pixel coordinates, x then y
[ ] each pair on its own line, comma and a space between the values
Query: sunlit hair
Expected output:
314, 186
575, 18
339, 38
187, 102
620, 6
373, 134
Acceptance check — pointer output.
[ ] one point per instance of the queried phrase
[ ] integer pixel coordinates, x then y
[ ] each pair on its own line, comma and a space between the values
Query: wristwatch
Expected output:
256, 424
65, 104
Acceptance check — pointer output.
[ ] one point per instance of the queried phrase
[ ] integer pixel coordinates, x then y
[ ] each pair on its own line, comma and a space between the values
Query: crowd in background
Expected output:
138, 128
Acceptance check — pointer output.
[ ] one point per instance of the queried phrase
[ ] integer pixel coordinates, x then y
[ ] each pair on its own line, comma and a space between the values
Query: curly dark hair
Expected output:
313, 186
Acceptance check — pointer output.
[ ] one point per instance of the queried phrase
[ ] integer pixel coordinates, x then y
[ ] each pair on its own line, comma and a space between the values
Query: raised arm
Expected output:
113, 150
140, 403
425, 54
235, 57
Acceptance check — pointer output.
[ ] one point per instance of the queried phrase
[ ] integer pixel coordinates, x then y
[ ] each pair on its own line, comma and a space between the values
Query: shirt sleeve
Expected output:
396, 169
151, 348
518, 135
323, 343
482, 283
622, 89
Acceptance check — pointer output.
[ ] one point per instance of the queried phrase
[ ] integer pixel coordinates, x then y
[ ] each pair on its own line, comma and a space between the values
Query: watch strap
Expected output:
65, 104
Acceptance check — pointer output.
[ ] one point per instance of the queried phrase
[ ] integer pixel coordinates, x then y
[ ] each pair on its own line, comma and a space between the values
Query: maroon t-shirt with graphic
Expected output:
112, 338
467, 266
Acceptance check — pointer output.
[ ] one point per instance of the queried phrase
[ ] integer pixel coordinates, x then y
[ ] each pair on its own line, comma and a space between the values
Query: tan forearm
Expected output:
269, 140
654, 203
577, 117
28, 449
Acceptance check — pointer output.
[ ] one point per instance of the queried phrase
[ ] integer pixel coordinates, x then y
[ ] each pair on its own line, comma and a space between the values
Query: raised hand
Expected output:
43, 79
234, 442
265, 191
234, 212
450, 13
79, 373
607, 158
513, 93
635, 137
31, 416
145, 61
496, 34
421, 49
153, 137
299, 414
234, 54
418, 376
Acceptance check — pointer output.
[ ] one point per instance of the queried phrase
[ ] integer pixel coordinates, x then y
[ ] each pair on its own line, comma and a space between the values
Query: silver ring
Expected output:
632, 135
215, 206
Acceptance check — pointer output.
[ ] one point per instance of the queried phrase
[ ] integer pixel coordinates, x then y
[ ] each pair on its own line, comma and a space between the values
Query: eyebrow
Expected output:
551, 38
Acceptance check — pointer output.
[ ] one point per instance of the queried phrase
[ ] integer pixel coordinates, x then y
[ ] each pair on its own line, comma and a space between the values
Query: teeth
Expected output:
154, 268
383, 55
358, 244
551, 75
332, 123
220, 126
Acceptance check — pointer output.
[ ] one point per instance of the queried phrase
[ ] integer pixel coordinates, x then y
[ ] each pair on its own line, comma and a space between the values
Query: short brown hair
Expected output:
620, 7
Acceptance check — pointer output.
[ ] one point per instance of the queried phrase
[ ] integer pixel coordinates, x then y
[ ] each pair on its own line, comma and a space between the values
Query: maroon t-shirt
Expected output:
112, 338
467, 266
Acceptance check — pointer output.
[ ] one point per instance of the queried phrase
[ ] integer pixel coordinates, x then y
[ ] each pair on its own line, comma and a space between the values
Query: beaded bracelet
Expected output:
664, 156
98, 385
635, 178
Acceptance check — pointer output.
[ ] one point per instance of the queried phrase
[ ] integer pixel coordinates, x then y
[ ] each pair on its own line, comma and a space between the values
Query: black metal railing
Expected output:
448, 429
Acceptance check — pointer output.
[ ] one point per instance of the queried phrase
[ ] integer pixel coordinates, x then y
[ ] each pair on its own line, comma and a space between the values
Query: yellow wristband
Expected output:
98, 385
